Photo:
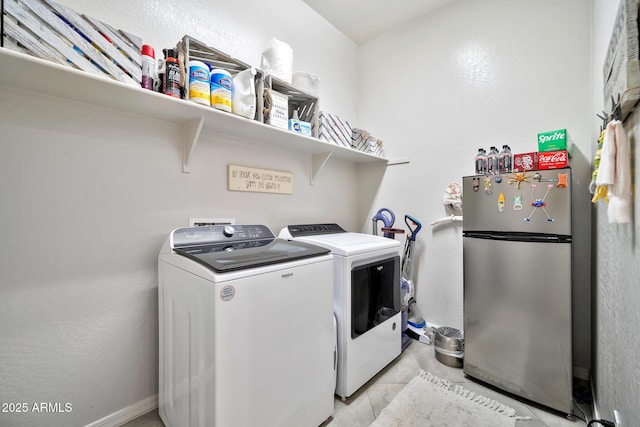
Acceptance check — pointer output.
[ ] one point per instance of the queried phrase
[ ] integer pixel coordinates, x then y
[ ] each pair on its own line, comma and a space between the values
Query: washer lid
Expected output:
347, 243
249, 254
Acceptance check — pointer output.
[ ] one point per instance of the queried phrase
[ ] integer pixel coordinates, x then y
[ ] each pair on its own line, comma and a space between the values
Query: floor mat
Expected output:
431, 401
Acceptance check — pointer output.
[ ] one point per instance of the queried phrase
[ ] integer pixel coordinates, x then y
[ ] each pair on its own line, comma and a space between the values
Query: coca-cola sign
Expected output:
553, 160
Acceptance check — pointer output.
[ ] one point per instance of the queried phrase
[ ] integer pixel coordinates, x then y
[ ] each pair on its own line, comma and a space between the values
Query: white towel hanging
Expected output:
615, 173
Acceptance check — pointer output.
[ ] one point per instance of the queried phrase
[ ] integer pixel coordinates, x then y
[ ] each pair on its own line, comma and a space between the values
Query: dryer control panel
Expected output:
314, 229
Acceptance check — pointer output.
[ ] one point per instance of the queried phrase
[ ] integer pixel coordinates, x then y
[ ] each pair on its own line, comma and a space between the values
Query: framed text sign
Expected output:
245, 178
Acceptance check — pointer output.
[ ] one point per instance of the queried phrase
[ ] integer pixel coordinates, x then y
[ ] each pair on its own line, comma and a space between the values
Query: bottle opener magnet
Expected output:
517, 202
501, 202
476, 184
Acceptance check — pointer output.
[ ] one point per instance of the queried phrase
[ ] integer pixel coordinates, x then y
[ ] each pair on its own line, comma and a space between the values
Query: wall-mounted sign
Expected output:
245, 178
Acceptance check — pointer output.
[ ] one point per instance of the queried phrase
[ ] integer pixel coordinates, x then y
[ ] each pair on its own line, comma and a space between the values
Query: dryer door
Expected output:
375, 294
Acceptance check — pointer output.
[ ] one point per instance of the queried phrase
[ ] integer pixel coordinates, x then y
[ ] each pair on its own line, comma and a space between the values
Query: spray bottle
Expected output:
172, 73
148, 66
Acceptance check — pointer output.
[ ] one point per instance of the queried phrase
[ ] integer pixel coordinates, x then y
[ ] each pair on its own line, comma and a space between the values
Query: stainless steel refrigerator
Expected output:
517, 284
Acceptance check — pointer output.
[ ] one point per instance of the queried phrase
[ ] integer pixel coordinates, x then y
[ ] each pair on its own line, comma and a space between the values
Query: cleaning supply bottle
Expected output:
158, 84
294, 123
243, 97
199, 85
221, 89
148, 66
172, 74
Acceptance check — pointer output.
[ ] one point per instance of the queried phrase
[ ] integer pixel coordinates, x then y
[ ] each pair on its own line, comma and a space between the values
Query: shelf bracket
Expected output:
191, 134
317, 163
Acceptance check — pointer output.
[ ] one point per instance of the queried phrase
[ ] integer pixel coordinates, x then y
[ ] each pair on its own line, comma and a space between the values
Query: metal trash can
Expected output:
449, 346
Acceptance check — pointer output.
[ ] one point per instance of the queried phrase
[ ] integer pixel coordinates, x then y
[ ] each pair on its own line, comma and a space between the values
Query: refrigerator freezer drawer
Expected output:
517, 318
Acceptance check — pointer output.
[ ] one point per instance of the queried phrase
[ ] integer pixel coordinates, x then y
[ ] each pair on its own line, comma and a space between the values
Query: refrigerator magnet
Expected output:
517, 202
538, 177
562, 180
539, 203
501, 202
487, 186
518, 178
476, 184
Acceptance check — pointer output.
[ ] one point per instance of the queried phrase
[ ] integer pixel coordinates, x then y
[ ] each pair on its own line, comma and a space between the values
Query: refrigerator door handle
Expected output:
489, 236
518, 237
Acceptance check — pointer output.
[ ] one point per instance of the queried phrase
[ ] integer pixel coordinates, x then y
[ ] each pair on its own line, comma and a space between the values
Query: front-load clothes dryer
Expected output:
246, 329
367, 300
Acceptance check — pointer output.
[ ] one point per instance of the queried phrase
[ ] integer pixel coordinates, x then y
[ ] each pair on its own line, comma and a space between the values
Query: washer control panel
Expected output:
196, 236
228, 230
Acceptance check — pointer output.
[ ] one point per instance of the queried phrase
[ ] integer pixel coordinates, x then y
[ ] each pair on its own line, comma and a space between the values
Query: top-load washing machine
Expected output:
246, 329
367, 300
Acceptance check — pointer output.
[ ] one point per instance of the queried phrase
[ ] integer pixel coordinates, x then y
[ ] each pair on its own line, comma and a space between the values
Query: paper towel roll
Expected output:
277, 58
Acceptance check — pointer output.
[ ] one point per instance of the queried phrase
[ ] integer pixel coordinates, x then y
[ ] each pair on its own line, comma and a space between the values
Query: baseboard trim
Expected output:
127, 414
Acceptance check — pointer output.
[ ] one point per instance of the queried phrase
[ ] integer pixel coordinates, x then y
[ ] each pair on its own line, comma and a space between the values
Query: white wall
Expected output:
616, 264
89, 196
475, 74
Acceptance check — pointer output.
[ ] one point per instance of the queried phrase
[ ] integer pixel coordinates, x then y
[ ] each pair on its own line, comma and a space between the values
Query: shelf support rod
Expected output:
399, 161
318, 161
191, 134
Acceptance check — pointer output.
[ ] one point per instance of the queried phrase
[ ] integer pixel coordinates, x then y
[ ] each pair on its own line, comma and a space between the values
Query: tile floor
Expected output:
365, 405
